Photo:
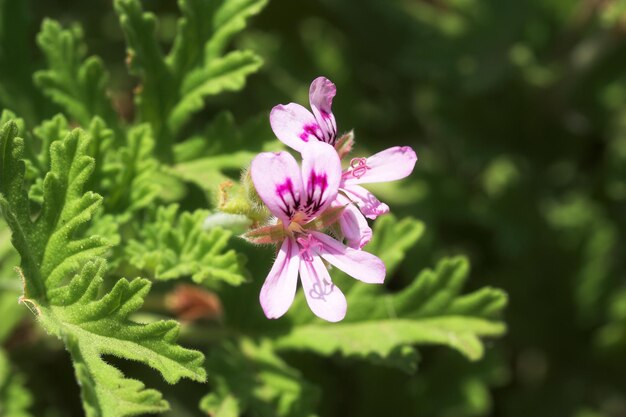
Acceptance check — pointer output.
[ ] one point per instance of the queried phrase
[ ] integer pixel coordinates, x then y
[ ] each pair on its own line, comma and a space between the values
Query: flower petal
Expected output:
358, 264
369, 205
279, 289
277, 179
389, 165
294, 125
353, 225
325, 300
321, 175
321, 94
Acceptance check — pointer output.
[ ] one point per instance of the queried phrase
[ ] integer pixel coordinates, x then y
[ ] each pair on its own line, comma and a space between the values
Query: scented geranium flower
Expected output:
296, 126
298, 198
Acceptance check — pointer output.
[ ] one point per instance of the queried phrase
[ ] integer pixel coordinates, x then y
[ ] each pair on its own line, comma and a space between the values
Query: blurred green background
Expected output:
517, 110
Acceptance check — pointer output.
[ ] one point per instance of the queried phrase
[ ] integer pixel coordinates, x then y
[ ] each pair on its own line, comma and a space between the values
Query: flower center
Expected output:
359, 167
307, 243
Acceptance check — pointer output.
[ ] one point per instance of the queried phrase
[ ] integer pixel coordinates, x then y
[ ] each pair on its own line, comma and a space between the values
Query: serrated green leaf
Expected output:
228, 20
227, 73
250, 377
194, 29
172, 246
75, 83
132, 185
173, 88
15, 400
158, 91
210, 159
381, 326
63, 279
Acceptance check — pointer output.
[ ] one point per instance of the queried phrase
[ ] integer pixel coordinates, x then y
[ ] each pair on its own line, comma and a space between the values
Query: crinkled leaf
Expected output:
210, 159
227, 73
173, 88
132, 186
249, 377
76, 84
229, 19
158, 90
173, 245
63, 282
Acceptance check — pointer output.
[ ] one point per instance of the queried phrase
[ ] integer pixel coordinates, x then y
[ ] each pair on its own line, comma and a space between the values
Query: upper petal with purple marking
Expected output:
321, 94
321, 175
277, 179
294, 125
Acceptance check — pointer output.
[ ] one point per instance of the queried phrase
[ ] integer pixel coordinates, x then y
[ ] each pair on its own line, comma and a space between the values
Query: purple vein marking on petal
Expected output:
317, 185
309, 130
284, 189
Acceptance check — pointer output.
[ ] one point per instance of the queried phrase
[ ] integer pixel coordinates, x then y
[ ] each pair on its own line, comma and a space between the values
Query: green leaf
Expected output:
14, 398
216, 155
158, 90
227, 73
63, 273
76, 84
132, 171
172, 245
429, 311
228, 20
250, 377
173, 88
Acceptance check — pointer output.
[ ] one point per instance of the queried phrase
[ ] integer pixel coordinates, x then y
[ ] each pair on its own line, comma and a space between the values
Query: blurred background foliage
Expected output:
517, 110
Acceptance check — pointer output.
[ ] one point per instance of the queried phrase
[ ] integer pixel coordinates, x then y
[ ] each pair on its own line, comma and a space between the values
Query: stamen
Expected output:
306, 244
359, 167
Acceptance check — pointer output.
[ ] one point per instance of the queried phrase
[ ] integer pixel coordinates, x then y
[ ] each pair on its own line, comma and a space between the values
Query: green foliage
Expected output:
63, 275
76, 84
250, 377
14, 398
172, 245
10, 311
429, 311
209, 159
173, 87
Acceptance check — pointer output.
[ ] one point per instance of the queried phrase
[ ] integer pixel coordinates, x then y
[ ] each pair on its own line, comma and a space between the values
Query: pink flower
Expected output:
296, 126
297, 197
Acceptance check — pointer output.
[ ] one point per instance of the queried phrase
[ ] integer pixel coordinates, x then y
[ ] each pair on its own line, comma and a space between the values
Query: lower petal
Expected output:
356, 263
325, 300
369, 205
279, 289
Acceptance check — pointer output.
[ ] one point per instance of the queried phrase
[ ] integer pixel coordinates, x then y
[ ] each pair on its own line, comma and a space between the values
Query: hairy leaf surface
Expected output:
174, 245
63, 274
75, 83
